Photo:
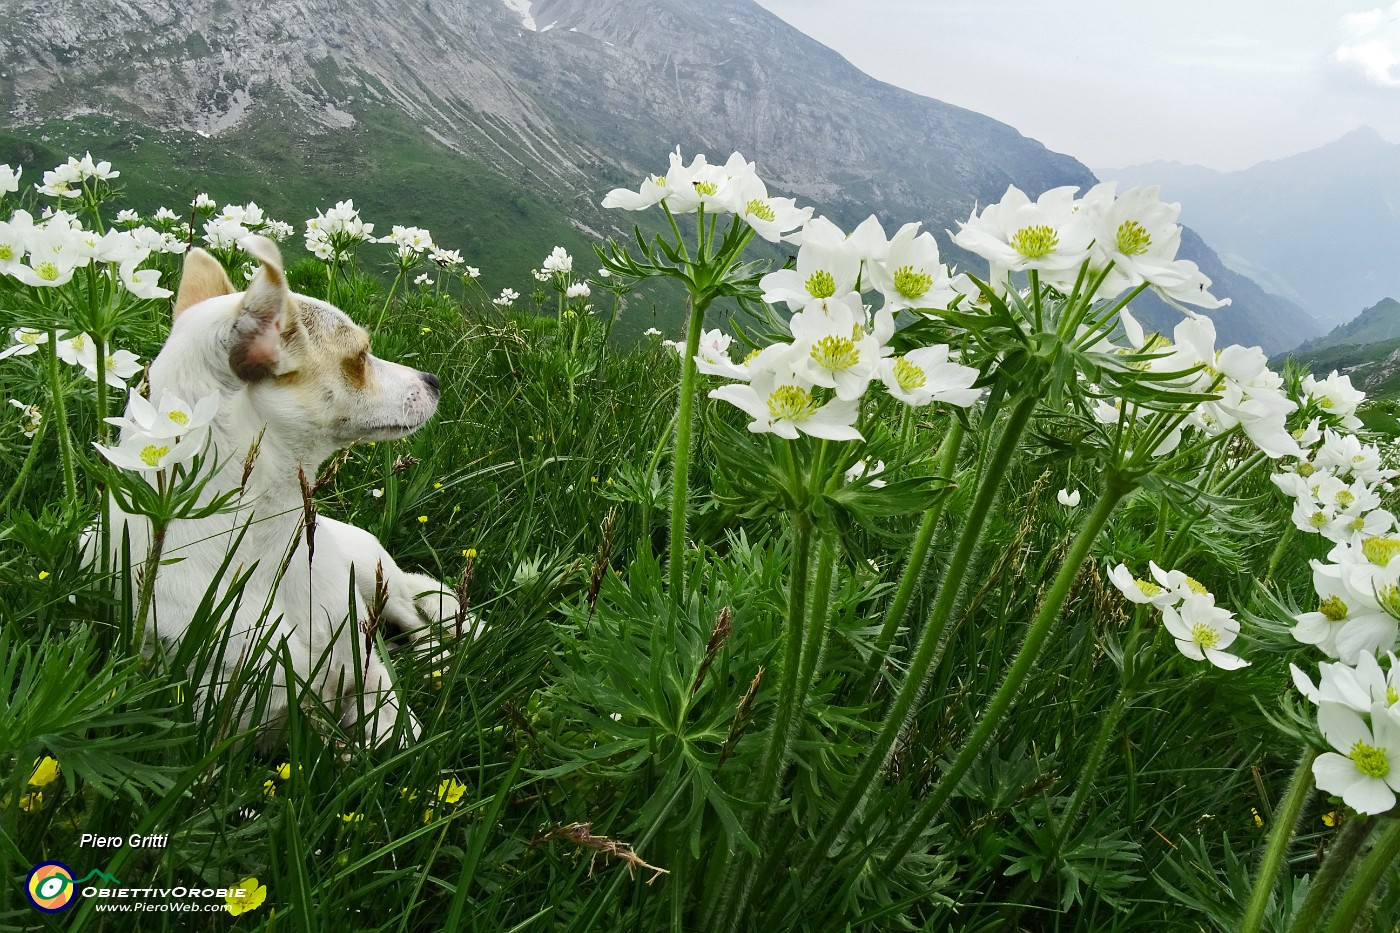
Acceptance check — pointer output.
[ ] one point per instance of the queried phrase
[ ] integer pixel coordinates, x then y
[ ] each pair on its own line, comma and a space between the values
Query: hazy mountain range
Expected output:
1321, 228
499, 124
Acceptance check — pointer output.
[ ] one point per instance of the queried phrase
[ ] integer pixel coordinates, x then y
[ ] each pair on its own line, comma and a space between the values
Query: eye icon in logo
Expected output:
50, 887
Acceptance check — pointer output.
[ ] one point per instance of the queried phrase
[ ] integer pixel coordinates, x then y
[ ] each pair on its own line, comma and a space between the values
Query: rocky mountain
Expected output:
500, 123
1321, 228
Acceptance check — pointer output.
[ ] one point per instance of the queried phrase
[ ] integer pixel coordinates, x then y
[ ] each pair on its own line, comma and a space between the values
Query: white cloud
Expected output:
1372, 46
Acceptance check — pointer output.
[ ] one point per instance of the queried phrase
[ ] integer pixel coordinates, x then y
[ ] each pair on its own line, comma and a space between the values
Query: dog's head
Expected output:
305, 367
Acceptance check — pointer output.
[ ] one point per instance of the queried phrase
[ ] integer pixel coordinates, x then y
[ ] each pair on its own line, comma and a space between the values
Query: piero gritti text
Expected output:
133, 841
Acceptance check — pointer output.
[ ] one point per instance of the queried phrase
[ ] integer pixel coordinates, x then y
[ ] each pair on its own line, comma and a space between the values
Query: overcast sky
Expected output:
1223, 83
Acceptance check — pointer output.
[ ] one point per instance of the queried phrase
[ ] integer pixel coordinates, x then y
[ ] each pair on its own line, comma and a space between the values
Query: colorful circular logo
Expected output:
50, 887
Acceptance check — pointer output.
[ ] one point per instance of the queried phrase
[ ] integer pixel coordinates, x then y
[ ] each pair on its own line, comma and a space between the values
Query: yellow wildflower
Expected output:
269, 789
45, 772
32, 803
422, 519
451, 790
251, 898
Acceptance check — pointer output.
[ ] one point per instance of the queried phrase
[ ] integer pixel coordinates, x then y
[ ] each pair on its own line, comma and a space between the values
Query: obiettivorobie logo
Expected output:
51, 887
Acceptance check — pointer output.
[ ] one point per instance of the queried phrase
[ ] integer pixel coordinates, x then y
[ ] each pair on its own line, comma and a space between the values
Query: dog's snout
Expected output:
432, 383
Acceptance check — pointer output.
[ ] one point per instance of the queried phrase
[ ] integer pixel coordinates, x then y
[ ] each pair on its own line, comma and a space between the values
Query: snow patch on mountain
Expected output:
523, 8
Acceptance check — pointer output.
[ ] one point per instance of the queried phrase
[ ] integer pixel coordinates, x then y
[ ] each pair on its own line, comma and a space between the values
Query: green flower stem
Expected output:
918, 560
928, 648
793, 636
148, 583
60, 415
817, 620
1340, 856
1380, 862
104, 518
1115, 490
768, 787
1285, 820
389, 298
680, 473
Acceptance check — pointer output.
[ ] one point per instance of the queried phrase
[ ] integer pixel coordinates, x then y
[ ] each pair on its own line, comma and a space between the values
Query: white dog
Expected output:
296, 382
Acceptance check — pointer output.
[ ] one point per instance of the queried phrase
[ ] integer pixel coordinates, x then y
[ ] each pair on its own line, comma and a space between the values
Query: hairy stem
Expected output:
1285, 820
680, 473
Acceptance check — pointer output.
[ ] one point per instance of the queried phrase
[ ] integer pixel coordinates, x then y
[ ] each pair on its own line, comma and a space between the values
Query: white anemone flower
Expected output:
169, 417
927, 375
558, 262
121, 366
712, 356
1203, 630
1070, 499
14, 240
1017, 235
912, 275
1137, 232
27, 341
769, 217
9, 179
1365, 768
1336, 396
835, 348
1140, 591
1360, 687
827, 266
781, 402
144, 454
143, 283
32, 415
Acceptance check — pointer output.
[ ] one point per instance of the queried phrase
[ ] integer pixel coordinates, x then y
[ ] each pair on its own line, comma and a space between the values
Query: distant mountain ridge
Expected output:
1321, 228
1378, 323
502, 122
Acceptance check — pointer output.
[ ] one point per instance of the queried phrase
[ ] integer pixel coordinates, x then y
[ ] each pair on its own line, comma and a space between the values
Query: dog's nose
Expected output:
432, 382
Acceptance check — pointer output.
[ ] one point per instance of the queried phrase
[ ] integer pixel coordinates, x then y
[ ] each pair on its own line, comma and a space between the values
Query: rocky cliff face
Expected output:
560, 98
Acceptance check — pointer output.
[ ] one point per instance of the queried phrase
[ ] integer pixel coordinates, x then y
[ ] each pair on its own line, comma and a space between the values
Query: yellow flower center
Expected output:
6, 252
179, 417
1306, 469
1132, 238
1149, 589
912, 284
151, 454
752, 355
1379, 551
1392, 696
1035, 242
760, 210
29, 337
835, 353
1204, 635
1370, 761
821, 284
705, 187
1333, 608
791, 403
908, 375
1345, 498
1196, 586
46, 271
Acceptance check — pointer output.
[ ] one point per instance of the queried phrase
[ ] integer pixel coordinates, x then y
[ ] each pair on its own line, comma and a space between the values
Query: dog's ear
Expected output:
256, 348
202, 278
